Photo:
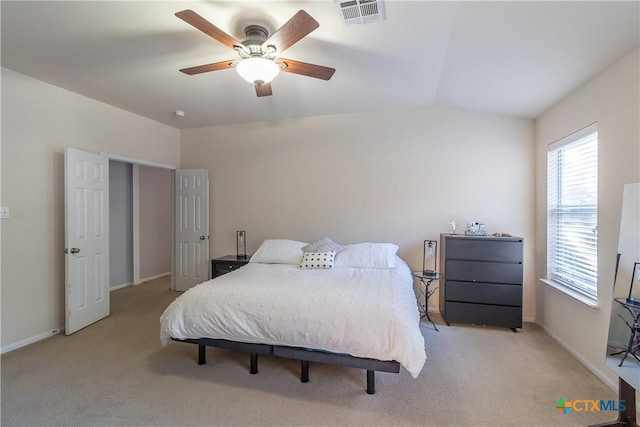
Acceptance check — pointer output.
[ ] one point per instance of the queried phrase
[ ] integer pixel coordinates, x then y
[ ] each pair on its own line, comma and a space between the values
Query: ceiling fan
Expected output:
259, 62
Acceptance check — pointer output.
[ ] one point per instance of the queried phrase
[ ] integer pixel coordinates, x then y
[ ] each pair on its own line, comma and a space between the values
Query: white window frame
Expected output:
572, 246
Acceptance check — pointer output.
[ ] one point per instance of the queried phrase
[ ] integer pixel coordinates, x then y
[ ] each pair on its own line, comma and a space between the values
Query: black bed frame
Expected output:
297, 353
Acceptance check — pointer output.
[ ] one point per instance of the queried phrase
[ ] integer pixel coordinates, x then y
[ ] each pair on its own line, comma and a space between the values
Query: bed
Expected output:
350, 305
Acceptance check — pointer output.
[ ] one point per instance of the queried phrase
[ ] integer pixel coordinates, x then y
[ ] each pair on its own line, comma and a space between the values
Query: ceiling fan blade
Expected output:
311, 70
222, 65
197, 21
292, 31
264, 90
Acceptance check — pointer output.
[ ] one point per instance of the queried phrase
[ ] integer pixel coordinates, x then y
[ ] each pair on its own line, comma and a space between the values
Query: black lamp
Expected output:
241, 244
430, 258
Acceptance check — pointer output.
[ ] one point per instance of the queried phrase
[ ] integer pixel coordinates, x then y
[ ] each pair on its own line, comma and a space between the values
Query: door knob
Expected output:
75, 250
201, 237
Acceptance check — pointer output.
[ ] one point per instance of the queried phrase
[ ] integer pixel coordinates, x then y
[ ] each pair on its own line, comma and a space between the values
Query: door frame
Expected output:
136, 209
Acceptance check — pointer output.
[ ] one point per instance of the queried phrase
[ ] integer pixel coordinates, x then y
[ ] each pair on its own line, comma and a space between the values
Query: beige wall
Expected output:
397, 176
155, 221
38, 121
612, 100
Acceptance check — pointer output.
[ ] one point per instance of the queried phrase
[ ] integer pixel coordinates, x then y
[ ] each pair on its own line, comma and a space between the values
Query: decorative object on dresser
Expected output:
241, 244
225, 264
482, 280
430, 258
475, 229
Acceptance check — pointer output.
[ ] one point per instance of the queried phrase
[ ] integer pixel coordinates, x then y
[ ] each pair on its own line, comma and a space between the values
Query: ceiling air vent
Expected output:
361, 11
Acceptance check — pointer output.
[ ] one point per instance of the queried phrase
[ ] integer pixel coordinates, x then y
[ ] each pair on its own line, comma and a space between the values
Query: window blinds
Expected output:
572, 239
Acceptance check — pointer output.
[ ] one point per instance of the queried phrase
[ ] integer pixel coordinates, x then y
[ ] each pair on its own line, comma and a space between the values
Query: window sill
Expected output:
588, 301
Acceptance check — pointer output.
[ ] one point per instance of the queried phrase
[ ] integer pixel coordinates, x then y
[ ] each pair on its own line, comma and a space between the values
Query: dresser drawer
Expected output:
481, 314
478, 271
484, 293
485, 249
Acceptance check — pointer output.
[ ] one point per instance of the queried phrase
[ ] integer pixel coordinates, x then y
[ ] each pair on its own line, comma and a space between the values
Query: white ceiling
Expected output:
514, 58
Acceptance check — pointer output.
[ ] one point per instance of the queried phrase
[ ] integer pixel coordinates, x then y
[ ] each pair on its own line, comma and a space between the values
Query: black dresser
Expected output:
482, 280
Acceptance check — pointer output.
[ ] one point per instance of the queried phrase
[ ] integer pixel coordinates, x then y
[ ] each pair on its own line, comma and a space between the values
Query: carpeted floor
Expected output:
116, 372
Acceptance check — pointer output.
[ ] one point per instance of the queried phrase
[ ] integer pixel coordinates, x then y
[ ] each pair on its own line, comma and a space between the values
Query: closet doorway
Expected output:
140, 223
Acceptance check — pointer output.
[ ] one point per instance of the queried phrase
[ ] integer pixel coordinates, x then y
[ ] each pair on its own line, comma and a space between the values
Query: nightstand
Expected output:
225, 264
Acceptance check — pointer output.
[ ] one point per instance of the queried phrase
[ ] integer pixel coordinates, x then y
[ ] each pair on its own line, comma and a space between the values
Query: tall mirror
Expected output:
623, 352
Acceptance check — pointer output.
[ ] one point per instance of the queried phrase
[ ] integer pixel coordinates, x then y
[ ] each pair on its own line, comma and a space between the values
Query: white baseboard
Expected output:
116, 287
31, 340
146, 279
60, 330
597, 372
157, 276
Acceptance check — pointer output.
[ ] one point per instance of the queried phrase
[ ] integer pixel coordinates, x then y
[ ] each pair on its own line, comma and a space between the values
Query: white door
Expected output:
191, 250
86, 181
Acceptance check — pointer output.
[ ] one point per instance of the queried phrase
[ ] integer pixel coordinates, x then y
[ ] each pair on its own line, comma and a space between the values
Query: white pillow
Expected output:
368, 255
324, 245
279, 251
318, 259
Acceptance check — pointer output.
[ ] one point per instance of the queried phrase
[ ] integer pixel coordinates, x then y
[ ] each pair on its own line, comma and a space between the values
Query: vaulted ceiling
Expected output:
513, 58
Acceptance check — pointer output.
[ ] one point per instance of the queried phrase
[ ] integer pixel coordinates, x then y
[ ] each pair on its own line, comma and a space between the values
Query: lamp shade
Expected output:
257, 71
430, 258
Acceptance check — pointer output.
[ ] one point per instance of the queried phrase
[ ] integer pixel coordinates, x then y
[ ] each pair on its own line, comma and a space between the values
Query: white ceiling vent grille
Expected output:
361, 11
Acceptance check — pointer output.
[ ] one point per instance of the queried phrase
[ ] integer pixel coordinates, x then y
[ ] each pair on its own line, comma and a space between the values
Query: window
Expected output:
572, 211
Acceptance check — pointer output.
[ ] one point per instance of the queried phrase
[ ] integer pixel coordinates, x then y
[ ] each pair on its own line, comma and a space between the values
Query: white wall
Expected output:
38, 121
611, 99
398, 176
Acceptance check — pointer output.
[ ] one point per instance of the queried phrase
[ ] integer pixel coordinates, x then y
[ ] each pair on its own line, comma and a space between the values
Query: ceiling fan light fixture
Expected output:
257, 70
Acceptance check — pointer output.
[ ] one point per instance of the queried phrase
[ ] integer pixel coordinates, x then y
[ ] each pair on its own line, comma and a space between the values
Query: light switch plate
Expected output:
4, 213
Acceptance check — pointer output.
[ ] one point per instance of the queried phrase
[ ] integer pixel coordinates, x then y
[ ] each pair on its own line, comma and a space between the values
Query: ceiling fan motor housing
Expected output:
256, 35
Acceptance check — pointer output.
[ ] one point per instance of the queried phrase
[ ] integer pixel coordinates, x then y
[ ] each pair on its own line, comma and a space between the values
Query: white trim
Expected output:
120, 286
157, 276
135, 208
590, 302
146, 279
597, 372
172, 215
135, 161
31, 340
573, 137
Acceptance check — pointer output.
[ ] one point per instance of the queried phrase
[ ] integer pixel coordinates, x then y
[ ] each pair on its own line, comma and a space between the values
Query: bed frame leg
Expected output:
371, 382
254, 363
304, 371
202, 354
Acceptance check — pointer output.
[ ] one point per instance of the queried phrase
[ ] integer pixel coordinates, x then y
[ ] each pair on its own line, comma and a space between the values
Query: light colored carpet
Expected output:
116, 372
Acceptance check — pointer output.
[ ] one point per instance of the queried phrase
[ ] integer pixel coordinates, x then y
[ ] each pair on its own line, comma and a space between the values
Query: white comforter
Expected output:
362, 312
